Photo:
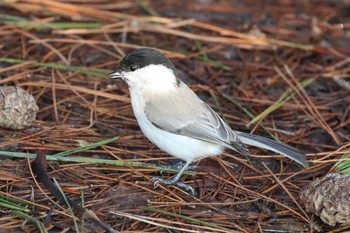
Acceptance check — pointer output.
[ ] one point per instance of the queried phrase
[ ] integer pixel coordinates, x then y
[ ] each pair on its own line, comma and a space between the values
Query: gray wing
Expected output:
183, 113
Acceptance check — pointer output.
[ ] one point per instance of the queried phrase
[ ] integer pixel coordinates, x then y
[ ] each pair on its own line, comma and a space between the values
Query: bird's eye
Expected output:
132, 67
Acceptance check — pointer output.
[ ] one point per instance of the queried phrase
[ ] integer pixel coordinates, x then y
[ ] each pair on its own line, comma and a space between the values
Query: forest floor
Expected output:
275, 68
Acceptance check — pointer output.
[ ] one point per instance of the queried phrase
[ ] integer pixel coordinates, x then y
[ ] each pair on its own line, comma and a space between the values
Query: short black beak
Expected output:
115, 75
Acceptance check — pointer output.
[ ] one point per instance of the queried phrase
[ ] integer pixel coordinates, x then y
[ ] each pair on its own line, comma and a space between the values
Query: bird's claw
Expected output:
187, 187
157, 180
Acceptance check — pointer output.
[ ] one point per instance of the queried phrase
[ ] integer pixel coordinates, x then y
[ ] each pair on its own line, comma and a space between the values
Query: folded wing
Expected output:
187, 115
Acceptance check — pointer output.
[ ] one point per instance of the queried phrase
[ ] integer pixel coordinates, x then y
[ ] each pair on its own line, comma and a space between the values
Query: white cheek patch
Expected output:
154, 77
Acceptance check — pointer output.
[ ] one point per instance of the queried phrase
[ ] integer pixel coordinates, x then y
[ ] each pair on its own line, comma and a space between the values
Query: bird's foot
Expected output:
187, 187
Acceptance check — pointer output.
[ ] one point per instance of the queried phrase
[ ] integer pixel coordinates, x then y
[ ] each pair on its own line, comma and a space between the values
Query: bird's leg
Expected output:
176, 179
179, 166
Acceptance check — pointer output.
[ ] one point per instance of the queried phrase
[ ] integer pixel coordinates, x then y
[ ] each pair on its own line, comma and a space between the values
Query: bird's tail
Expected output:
274, 146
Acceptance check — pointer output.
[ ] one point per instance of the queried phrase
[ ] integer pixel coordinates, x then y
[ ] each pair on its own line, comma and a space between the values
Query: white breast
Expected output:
182, 147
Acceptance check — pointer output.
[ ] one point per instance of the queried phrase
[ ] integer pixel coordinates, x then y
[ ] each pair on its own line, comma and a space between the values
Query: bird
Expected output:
175, 119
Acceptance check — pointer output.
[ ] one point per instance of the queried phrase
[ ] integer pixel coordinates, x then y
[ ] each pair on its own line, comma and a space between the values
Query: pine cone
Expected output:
329, 198
17, 108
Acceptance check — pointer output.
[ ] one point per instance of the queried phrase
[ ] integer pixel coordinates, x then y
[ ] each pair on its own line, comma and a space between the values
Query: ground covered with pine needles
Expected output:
274, 68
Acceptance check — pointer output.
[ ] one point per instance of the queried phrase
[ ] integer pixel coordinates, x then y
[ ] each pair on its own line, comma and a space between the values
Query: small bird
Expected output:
172, 116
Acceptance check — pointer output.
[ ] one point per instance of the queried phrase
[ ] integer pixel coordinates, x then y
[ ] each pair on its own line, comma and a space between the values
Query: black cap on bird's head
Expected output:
140, 58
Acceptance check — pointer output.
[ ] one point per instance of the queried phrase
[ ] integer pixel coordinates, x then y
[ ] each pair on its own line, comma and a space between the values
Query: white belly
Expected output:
182, 147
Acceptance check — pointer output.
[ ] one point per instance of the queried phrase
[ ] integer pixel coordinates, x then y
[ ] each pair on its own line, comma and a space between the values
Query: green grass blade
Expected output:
92, 161
87, 147
38, 223
343, 166
15, 207
12, 18
287, 95
25, 23
68, 204
81, 69
12, 204
40, 26
14, 200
